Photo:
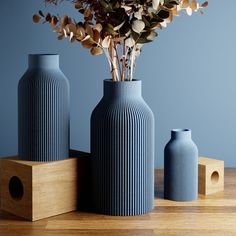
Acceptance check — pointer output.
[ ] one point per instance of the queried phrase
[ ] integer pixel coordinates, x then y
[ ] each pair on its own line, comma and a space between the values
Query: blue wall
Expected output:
188, 74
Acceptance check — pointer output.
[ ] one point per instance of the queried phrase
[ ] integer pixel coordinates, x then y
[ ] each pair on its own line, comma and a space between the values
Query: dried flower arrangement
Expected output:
119, 28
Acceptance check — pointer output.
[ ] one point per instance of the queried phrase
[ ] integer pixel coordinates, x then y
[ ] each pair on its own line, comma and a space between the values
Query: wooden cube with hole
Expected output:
210, 175
37, 190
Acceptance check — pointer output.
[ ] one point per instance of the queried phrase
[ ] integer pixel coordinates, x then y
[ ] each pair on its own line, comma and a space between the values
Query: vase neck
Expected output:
43, 61
181, 134
122, 89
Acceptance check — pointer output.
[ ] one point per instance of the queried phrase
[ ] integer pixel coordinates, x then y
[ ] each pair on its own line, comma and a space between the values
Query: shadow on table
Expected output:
159, 186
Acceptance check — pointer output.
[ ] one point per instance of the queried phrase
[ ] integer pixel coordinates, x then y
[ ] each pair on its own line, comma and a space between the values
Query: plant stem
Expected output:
132, 62
124, 62
116, 56
109, 61
114, 70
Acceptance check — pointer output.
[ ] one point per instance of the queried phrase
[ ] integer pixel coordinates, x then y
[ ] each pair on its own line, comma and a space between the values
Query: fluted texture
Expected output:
43, 115
122, 144
181, 167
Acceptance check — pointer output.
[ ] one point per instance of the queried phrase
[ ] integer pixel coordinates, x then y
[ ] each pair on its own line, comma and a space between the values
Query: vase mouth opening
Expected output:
180, 130
121, 81
181, 133
44, 54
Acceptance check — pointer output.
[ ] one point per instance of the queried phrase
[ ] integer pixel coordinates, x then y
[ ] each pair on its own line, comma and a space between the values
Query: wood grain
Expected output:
210, 175
209, 215
49, 188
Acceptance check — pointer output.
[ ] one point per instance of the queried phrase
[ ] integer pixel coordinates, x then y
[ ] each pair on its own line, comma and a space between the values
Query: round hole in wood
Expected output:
16, 188
215, 177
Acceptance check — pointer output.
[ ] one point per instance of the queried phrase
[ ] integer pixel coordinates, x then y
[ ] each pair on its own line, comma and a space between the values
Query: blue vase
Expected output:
122, 146
181, 167
43, 111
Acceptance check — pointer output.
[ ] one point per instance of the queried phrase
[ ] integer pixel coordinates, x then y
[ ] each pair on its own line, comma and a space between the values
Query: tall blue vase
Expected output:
181, 167
43, 110
122, 146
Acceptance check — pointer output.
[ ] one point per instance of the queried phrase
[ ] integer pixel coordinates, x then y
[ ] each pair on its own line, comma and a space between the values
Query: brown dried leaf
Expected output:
54, 21
80, 32
64, 21
185, 3
36, 18
175, 12
86, 38
95, 51
98, 27
78, 5
96, 36
194, 5
106, 42
87, 12
87, 43
48, 17
71, 28
170, 18
89, 30
205, 4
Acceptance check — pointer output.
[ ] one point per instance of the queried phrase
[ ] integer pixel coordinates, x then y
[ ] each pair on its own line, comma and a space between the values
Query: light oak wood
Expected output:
210, 175
49, 188
210, 215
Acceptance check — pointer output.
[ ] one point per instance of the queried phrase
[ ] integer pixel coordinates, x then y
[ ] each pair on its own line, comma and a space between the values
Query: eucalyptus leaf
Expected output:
163, 14
96, 51
130, 42
155, 4
118, 26
106, 42
138, 26
36, 18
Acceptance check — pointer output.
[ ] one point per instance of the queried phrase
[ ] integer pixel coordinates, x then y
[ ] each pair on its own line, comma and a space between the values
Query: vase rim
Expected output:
180, 130
181, 133
43, 54
125, 81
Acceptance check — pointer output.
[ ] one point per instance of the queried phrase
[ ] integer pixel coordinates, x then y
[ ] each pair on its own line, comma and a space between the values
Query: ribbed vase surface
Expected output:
43, 111
122, 146
181, 167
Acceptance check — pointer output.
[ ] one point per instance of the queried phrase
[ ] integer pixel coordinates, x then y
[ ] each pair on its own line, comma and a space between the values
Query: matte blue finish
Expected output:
181, 167
189, 67
43, 111
122, 145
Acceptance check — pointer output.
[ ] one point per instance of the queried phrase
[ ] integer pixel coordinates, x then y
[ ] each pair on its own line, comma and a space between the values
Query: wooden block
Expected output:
37, 190
210, 175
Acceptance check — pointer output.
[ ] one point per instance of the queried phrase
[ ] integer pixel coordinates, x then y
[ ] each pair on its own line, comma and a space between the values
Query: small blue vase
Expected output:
181, 167
122, 146
43, 110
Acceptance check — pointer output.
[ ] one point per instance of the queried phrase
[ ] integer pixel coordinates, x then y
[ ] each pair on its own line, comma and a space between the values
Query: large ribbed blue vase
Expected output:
122, 146
43, 110
181, 167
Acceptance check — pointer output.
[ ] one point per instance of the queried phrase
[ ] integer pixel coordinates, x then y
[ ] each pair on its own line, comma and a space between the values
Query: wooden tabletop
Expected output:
211, 215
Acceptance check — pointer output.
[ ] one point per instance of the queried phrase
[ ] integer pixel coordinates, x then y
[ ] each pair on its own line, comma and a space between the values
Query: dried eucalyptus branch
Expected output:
112, 24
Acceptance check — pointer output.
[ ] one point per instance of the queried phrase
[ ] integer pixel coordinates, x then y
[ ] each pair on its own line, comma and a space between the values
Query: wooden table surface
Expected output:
211, 215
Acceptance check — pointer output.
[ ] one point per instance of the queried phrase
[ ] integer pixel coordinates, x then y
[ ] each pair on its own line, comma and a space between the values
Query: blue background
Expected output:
188, 74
